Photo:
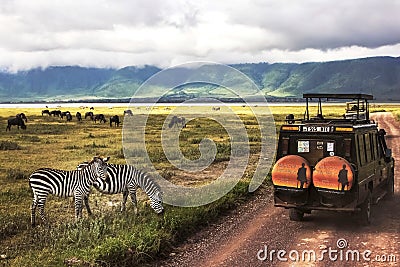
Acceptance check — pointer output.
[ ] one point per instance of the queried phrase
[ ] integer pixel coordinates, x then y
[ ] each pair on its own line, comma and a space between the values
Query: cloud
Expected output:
106, 33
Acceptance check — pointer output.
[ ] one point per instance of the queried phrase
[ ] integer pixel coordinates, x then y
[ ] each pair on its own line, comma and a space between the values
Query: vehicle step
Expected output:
380, 194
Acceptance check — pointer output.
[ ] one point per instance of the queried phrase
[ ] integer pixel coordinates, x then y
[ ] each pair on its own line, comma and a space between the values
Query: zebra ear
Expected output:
106, 159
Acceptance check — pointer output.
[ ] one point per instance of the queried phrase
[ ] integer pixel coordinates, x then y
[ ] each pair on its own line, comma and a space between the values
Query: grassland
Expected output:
109, 237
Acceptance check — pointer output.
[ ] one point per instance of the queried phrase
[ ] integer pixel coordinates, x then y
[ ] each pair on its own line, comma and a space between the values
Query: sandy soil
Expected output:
239, 239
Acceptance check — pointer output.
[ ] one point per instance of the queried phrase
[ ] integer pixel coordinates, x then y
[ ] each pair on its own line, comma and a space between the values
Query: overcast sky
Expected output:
118, 33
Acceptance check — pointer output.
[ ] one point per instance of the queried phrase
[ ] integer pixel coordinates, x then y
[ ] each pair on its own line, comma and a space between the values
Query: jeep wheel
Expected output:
390, 187
296, 215
365, 214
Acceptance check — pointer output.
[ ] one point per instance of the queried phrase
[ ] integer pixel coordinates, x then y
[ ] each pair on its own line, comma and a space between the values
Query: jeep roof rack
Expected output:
359, 111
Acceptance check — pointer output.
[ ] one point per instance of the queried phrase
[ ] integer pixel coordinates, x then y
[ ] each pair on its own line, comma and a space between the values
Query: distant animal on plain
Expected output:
91, 108
128, 112
68, 116
216, 108
89, 114
79, 116
178, 121
64, 114
22, 116
114, 119
56, 113
100, 118
46, 111
18, 121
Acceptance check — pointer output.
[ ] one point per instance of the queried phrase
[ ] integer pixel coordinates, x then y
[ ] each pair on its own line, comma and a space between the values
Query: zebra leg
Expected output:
86, 200
41, 203
124, 198
78, 206
132, 193
33, 211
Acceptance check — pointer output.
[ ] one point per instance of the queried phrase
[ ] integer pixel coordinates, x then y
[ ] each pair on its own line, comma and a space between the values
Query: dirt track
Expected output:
238, 238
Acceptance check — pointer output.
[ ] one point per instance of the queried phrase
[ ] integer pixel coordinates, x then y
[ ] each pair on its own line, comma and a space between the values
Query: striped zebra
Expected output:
126, 179
74, 183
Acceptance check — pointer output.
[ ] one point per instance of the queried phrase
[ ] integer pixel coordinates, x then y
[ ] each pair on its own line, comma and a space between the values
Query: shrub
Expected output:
13, 174
8, 145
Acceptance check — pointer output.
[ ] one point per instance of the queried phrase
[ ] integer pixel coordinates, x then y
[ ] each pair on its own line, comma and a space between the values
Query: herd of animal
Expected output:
20, 119
106, 178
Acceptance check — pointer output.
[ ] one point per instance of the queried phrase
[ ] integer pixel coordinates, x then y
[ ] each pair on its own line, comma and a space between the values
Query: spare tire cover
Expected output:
334, 173
292, 171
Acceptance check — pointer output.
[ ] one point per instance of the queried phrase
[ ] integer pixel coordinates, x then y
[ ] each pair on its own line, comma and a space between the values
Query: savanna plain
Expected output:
110, 237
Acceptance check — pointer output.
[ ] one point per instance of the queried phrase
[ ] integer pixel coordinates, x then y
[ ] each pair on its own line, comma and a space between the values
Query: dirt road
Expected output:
248, 235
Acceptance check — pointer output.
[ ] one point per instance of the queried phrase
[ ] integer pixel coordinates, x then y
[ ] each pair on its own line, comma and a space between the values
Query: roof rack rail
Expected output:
357, 110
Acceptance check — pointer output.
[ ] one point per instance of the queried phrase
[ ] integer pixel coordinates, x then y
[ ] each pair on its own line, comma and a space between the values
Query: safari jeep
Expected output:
336, 164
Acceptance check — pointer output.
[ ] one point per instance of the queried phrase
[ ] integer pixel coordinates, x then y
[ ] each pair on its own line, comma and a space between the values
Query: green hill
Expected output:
379, 76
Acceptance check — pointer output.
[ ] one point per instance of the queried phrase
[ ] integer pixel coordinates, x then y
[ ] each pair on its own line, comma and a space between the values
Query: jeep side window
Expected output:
361, 150
368, 151
373, 146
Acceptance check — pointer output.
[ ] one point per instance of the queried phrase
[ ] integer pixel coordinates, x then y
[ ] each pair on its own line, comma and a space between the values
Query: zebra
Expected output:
74, 183
126, 179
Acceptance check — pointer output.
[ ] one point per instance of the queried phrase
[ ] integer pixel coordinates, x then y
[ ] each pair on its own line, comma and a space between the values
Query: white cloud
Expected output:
107, 33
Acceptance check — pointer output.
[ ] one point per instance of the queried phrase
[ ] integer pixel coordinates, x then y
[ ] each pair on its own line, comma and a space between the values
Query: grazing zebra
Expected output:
65, 184
126, 179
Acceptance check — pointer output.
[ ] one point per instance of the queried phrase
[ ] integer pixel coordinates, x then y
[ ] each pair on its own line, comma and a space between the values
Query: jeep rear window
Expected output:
314, 150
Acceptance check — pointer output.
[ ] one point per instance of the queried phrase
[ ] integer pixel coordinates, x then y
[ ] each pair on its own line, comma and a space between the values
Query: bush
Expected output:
13, 174
8, 145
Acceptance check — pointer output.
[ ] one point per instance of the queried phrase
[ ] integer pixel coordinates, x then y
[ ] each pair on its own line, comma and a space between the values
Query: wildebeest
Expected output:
68, 116
16, 121
64, 114
22, 116
178, 121
216, 108
100, 118
46, 111
89, 114
56, 113
128, 112
79, 116
114, 119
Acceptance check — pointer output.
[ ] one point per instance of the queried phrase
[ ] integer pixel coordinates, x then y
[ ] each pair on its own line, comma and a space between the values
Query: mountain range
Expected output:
379, 76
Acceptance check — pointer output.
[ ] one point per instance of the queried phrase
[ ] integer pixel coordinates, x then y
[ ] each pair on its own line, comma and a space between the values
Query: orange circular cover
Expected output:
292, 171
333, 173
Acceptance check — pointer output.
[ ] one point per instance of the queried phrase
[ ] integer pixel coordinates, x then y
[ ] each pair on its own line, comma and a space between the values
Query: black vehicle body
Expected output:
325, 145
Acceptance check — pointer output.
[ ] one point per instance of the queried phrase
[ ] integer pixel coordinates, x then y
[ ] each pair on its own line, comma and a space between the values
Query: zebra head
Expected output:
99, 166
156, 203
98, 183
